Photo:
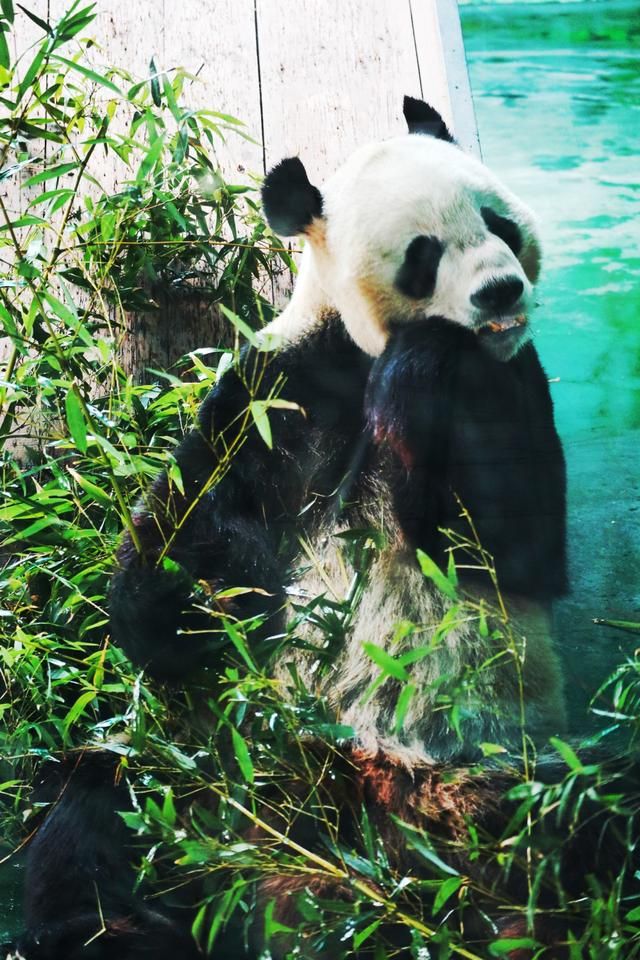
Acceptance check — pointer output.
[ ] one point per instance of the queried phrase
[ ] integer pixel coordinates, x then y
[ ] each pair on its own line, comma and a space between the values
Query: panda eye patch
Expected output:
416, 278
503, 228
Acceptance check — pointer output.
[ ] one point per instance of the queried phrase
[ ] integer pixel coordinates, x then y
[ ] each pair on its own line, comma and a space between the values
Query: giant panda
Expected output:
404, 396
420, 406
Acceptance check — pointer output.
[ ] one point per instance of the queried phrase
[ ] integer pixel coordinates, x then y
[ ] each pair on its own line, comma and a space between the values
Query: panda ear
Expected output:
422, 118
289, 201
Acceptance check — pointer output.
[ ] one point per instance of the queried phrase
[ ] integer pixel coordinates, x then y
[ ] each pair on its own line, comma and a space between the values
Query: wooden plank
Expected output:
219, 45
222, 57
22, 39
457, 74
119, 43
431, 63
333, 76
25, 37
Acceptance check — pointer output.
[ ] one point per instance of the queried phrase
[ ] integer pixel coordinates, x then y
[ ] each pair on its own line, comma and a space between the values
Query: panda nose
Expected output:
498, 295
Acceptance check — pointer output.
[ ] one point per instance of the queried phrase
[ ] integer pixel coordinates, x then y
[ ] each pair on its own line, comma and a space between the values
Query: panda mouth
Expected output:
504, 324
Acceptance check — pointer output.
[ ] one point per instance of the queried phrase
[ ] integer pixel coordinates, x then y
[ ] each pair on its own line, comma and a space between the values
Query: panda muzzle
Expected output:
505, 323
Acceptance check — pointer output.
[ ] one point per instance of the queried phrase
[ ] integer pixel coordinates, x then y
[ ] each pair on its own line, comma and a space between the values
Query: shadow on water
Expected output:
557, 94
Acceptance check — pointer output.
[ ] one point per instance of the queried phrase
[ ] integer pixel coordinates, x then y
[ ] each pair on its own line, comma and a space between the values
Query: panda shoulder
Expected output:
323, 366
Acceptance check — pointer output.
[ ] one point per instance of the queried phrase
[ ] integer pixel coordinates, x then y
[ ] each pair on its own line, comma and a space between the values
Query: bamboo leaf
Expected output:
446, 890
8, 322
7, 9
31, 73
491, 749
483, 626
419, 842
60, 194
278, 404
385, 661
502, 948
39, 131
72, 23
5, 56
452, 573
236, 638
431, 570
14, 168
61, 310
567, 753
156, 96
260, 416
75, 420
201, 916
169, 814
94, 491
51, 173
402, 705
359, 938
28, 221
90, 74
78, 708
150, 160
240, 325
32, 16
242, 755
32, 530
631, 626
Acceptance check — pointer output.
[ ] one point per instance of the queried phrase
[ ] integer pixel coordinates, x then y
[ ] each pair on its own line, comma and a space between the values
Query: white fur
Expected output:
385, 195
503, 684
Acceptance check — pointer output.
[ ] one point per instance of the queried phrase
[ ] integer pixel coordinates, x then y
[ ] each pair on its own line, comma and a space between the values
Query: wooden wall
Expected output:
314, 77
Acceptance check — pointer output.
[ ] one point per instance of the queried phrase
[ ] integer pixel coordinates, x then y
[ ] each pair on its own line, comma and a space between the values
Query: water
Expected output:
557, 95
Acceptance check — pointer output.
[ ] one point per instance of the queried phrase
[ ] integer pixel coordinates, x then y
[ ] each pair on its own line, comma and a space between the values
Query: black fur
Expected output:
504, 228
474, 430
80, 902
416, 277
470, 425
290, 201
244, 530
456, 422
422, 118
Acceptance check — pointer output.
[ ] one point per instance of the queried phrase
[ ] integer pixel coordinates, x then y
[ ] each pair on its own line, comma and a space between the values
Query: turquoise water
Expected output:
557, 95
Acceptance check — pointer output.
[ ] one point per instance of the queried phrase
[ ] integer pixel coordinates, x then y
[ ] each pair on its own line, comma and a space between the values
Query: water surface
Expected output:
557, 95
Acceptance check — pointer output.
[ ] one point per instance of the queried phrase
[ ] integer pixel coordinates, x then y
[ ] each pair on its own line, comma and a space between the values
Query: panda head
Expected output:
410, 228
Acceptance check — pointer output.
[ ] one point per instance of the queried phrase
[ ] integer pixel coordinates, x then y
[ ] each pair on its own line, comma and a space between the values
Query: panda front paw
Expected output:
156, 618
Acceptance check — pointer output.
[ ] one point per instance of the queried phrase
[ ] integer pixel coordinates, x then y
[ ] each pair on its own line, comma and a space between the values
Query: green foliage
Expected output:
81, 437
221, 774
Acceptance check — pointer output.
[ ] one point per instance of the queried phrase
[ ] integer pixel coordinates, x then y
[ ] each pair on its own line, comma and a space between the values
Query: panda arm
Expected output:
468, 429
236, 522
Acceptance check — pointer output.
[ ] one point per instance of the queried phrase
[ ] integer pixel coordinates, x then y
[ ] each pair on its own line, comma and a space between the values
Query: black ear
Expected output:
290, 202
421, 118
